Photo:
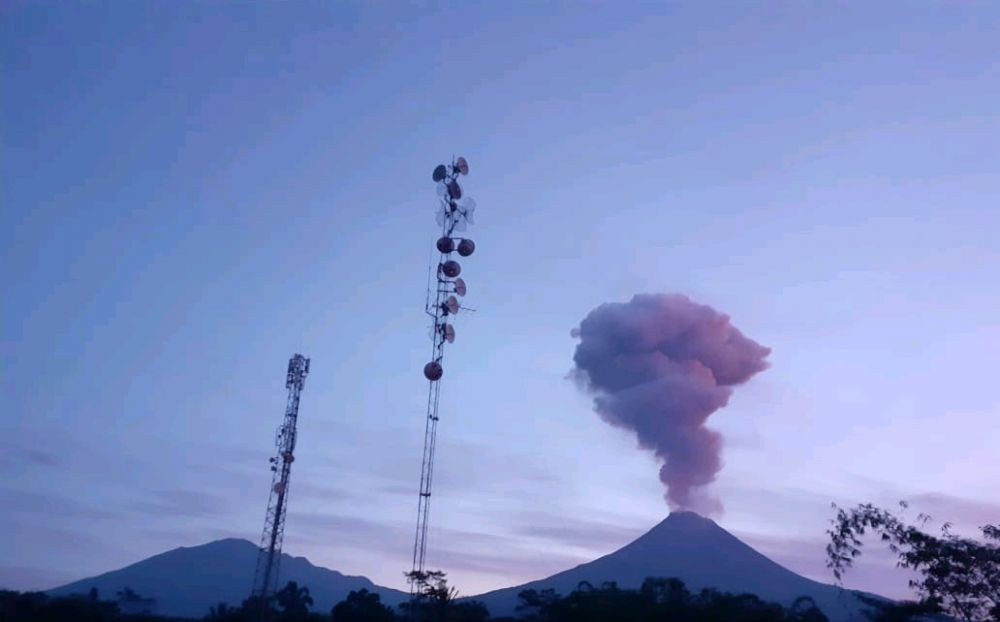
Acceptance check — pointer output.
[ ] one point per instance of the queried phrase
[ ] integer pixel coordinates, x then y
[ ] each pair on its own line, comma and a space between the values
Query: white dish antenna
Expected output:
440, 172
467, 210
449, 333
452, 305
460, 288
462, 165
445, 214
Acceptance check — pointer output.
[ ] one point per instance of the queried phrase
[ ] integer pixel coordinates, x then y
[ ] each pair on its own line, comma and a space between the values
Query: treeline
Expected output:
657, 600
661, 600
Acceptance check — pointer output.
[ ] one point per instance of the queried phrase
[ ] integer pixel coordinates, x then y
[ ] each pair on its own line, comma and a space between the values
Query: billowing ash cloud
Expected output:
660, 365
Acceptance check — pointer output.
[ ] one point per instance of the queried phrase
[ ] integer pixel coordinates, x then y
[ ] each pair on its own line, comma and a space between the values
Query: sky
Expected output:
190, 193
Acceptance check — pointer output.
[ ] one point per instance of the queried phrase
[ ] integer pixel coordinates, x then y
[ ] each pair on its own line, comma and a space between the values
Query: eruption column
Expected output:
660, 365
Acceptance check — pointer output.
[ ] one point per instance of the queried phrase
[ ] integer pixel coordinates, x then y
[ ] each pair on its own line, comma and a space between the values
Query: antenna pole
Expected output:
455, 214
269, 555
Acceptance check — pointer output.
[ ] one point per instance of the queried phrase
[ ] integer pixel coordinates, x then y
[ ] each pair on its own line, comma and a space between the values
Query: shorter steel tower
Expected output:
269, 556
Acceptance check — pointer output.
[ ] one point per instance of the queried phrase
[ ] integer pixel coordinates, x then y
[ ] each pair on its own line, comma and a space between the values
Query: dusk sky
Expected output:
190, 193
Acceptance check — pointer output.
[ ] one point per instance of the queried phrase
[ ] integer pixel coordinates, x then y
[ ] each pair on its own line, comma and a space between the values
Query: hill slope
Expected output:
187, 581
700, 553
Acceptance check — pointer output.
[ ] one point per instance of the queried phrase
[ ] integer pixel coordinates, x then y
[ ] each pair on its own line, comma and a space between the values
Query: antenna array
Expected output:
455, 214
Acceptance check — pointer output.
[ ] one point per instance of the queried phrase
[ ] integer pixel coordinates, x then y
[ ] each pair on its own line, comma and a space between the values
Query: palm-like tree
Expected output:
294, 600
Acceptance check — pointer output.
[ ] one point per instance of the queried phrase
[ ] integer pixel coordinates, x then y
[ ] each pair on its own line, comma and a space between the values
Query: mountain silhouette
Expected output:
700, 553
186, 581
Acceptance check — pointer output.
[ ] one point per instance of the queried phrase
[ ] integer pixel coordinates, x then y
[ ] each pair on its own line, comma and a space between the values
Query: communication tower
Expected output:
269, 556
455, 213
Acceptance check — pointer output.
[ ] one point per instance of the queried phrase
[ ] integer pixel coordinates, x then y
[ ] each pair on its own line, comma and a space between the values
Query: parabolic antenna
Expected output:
467, 209
458, 223
449, 333
445, 245
440, 172
460, 288
451, 268
454, 190
461, 165
442, 188
451, 305
279, 488
433, 371
466, 247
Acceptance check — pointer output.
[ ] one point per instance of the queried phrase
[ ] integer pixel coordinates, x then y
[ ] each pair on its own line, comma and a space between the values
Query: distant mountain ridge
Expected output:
700, 553
187, 581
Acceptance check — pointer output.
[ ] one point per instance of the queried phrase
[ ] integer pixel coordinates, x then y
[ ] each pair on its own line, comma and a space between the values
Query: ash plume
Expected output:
660, 365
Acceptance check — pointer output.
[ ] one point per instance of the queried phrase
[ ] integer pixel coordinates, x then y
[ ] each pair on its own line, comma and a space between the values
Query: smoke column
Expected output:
660, 365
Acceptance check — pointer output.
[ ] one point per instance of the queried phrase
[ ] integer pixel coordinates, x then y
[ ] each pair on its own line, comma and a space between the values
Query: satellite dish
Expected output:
466, 247
442, 188
279, 487
454, 220
288, 456
433, 371
445, 245
440, 172
449, 333
451, 305
467, 209
462, 165
460, 287
454, 190
451, 268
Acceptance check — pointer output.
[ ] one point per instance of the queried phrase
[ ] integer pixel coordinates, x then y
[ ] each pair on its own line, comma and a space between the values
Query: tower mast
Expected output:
269, 556
454, 216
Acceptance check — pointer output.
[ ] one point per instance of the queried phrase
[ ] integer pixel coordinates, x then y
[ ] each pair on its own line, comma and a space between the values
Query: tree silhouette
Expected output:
38, 607
131, 602
362, 606
434, 601
958, 576
294, 601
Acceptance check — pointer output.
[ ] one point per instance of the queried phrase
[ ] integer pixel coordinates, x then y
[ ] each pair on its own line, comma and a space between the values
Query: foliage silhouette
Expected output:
660, 600
434, 601
38, 607
362, 606
957, 576
294, 601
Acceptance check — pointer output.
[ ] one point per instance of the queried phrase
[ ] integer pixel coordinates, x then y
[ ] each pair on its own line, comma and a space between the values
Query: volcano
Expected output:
702, 554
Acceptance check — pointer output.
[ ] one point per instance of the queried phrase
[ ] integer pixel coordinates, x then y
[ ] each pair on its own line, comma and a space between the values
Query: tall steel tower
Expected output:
454, 216
269, 557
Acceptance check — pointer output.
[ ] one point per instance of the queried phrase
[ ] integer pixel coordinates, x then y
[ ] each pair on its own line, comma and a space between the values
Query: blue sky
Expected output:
193, 192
